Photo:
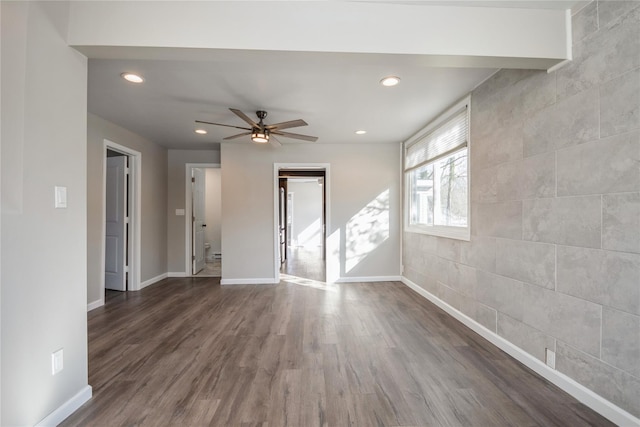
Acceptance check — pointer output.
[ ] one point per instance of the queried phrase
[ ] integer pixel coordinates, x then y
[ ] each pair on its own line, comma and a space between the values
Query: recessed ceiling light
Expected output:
390, 81
133, 78
361, 132
201, 131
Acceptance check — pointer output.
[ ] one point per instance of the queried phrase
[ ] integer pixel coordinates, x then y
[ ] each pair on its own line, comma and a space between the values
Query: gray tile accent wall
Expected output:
612, 383
605, 54
570, 319
621, 222
621, 341
607, 278
569, 122
524, 336
609, 165
554, 256
527, 261
619, 110
565, 220
585, 22
503, 219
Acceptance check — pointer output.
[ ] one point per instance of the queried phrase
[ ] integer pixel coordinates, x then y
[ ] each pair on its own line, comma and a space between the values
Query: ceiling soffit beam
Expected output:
443, 35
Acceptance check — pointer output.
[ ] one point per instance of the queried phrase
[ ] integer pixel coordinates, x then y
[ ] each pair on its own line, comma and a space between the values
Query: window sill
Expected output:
457, 233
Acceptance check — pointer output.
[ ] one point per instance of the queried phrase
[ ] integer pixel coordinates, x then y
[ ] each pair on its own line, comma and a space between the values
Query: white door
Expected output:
116, 223
198, 220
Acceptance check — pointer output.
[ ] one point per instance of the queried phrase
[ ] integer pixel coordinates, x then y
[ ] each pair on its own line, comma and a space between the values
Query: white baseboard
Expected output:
95, 304
594, 401
177, 274
67, 408
369, 279
153, 280
269, 281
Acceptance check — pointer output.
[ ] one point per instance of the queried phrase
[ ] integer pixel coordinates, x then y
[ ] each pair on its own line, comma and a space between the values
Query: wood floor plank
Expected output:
188, 352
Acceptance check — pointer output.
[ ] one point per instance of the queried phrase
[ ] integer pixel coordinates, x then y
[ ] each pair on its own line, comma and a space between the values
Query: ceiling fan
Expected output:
262, 133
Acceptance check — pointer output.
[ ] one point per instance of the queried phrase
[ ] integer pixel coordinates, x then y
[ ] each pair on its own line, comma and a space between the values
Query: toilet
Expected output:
207, 247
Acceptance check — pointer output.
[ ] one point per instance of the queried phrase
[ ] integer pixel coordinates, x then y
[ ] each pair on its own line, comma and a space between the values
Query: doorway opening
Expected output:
121, 220
302, 222
203, 220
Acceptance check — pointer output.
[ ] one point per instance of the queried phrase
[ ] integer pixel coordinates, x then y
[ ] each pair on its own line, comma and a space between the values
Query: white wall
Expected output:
306, 230
153, 251
44, 107
177, 171
213, 209
358, 176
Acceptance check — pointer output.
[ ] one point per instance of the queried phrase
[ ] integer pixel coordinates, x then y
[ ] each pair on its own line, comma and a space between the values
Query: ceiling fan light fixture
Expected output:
260, 137
390, 81
200, 131
131, 77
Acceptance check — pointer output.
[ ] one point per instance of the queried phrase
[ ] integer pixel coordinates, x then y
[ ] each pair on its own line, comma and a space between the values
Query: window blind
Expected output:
447, 137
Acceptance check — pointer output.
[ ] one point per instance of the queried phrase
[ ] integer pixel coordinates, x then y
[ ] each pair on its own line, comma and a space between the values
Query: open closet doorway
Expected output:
302, 222
203, 220
121, 219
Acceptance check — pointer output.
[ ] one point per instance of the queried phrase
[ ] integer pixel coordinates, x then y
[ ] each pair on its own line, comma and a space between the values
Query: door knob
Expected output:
204, 225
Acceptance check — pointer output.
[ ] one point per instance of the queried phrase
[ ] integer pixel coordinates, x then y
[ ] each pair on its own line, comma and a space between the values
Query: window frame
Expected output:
452, 232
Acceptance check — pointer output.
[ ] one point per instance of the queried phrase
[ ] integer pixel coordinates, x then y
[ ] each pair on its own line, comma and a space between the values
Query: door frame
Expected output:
276, 207
188, 211
134, 194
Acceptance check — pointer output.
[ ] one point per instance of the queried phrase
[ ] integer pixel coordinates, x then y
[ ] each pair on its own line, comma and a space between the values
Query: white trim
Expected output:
187, 212
177, 274
575, 389
568, 39
266, 281
558, 66
95, 304
135, 195
403, 196
369, 279
276, 192
153, 280
67, 408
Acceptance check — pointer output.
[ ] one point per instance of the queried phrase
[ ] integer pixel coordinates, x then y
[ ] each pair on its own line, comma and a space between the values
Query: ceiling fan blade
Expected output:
220, 124
295, 136
244, 117
237, 136
287, 125
274, 142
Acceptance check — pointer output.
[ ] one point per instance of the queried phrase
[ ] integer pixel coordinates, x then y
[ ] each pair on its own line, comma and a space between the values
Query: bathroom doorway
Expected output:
203, 221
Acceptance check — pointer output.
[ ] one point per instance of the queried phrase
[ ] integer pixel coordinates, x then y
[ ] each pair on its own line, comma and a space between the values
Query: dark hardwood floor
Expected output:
188, 352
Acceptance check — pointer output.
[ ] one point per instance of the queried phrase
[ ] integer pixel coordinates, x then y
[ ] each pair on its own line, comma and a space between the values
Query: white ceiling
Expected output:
336, 94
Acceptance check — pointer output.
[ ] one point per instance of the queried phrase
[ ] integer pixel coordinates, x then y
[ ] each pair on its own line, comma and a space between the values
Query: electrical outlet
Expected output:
57, 363
550, 357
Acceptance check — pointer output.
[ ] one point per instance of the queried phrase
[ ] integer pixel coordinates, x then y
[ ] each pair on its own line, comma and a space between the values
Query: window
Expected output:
437, 176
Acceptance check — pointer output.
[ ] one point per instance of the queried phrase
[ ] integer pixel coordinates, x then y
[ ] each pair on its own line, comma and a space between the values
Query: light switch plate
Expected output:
57, 362
179, 212
60, 197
